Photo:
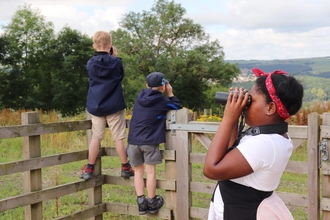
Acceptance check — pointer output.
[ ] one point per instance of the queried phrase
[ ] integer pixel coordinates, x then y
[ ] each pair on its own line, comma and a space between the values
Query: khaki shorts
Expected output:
116, 123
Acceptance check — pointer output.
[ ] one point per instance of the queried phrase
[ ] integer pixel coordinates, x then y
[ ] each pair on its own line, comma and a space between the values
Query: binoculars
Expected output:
221, 98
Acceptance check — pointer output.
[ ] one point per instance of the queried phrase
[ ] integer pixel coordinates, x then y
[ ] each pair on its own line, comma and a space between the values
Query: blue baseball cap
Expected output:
156, 79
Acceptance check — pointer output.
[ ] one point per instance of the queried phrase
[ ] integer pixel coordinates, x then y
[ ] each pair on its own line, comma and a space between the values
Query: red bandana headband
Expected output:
281, 110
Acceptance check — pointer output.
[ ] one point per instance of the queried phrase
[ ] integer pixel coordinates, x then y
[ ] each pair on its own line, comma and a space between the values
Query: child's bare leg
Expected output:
93, 150
138, 180
121, 151
126, 169
151, 180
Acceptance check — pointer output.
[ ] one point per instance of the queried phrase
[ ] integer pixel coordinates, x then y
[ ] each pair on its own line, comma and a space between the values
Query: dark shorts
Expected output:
148, 154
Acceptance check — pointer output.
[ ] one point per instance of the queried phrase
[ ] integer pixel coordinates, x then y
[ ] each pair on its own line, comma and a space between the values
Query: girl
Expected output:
248, 168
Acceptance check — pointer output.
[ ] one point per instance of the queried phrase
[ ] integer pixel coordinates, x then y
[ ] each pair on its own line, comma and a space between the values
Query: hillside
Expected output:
314, 74
319, 66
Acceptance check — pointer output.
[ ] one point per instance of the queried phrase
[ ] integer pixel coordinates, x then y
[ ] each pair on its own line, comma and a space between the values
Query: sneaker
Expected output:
155, 204
143, 205
127, 172
87, 173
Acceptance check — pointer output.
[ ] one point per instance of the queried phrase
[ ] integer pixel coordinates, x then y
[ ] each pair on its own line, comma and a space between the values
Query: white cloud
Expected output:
86, 22
288, 16
102, 20
247, 29
266, 44
280, 15
85, 16
254, 29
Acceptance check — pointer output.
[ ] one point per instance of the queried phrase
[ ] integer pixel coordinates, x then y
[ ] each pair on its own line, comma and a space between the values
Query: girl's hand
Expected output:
220, 164
237, 101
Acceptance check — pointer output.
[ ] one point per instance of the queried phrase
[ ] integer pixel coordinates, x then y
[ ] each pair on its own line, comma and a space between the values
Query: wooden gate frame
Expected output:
178, 168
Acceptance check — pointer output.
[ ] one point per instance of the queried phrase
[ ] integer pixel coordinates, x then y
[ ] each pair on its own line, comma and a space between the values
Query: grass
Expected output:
12, 185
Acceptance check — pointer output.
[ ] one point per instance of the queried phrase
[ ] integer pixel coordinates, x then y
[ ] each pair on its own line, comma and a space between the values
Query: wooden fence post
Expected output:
183, 166
170, 168
205, 111
94, 194
313, 169
32, 179
195, 116
326, 177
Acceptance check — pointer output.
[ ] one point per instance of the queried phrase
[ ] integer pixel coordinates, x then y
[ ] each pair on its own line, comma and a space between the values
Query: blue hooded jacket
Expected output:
147, 126
105, 93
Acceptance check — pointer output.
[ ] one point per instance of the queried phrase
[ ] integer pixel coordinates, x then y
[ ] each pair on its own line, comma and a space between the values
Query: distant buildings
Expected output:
245, 76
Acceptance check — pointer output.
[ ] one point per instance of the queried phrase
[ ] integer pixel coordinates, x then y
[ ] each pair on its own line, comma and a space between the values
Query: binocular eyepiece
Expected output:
221, 98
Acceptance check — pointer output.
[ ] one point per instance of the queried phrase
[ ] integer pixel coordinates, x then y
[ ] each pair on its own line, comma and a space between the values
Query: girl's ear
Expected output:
271, 108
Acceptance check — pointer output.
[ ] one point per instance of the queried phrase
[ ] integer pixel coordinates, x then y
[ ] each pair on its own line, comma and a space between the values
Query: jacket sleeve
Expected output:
173, 103
121, 68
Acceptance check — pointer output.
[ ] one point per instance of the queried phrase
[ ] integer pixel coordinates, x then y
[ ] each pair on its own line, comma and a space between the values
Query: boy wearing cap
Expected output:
105, 102
146, 132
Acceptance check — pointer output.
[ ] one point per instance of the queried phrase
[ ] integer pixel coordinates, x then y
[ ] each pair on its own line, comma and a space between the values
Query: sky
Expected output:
246, 29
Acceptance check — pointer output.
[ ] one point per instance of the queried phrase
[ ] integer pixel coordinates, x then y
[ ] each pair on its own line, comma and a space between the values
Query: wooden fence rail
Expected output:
178, 158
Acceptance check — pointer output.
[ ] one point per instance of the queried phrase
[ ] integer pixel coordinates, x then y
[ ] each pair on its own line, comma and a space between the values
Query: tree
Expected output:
321, 94
25, 63
133, 80
3, 71
163, 40
3, 44
69, 54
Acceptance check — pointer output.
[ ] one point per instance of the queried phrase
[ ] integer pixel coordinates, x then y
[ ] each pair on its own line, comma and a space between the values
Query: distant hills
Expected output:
314, 73
319, 66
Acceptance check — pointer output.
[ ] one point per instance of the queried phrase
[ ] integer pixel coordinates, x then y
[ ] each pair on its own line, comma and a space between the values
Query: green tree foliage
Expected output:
163, 40
133, 80
3, 44
315, 88
25, 60
321, 94
69, 54
3, 71
40, 70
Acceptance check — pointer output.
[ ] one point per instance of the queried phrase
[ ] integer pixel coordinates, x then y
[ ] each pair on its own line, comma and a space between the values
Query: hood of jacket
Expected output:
147, 97
103, 63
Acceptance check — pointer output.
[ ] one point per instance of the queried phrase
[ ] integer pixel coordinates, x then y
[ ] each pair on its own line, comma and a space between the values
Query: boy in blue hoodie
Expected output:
146, 132
105, 102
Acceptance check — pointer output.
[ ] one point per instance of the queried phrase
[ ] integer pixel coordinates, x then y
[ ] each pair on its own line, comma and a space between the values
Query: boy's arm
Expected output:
115, 54
114, 51
174, 101
169, 90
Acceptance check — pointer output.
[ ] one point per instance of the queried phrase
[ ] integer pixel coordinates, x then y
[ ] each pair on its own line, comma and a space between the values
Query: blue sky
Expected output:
247, 29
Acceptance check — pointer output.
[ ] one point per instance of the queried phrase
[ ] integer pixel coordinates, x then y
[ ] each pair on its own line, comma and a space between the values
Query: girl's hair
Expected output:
101, 39
288, 89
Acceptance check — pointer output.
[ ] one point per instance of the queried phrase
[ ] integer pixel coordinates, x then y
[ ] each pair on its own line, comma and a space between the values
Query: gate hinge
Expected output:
323, 151
172, 121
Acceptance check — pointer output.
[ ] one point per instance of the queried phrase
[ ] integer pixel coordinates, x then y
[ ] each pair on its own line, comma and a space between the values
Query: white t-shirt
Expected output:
268, 155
